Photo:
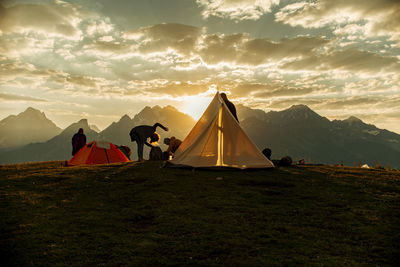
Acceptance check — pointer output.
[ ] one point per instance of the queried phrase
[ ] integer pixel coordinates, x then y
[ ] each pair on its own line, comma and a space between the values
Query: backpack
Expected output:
286, 161
155, 153
267, 153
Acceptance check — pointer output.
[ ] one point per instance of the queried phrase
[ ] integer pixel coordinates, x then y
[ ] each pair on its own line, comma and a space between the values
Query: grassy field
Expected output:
141, 214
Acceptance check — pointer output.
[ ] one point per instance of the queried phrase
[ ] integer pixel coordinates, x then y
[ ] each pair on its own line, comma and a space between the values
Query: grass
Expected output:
141, 214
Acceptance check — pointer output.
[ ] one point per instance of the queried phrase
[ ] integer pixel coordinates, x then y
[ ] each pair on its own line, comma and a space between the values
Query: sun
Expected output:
195, 105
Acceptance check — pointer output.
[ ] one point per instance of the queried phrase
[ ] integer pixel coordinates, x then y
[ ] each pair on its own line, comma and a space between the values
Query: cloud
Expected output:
349, 103
177, 88
13, 97
12, 70
375, 17
81, 80
106, 48
236, 9
241, 49
222, 48
258, 50
279, 104
161, 37
57, 18
99, 26
281, 88
351, 60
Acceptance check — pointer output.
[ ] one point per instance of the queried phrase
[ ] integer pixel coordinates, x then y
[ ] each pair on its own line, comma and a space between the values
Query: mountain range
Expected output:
298, 132
303, 134
14, 129
59, 147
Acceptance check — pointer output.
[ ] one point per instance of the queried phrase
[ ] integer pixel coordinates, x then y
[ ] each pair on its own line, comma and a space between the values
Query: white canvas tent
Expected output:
217, 140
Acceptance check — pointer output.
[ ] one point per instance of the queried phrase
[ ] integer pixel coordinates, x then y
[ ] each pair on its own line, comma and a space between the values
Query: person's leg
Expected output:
140, 150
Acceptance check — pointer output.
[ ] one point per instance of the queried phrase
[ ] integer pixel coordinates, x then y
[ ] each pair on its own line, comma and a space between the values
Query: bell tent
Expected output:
98, 152
217, 140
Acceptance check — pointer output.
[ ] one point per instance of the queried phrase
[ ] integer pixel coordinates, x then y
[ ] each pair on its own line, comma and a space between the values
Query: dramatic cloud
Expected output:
104, 60
375, 17
162, 37
240, 49
176, 89
12, 97
236, 9
58, 18
348, 103
347, 60
81, 80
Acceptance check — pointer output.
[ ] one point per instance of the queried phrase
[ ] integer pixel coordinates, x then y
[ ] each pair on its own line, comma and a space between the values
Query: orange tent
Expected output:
98, 152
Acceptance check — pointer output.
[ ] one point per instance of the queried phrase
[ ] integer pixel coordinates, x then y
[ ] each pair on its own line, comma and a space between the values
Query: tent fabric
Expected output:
98, 152
365, 166
217, 140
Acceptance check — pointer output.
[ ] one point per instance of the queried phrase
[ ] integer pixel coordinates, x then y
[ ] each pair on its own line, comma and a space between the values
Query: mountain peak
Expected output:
296, 114
29, 126
125, 118
353, 119
32, 112
83, 121
74, 127
300, 107
94, 128
31, 109
170, 107
146, 108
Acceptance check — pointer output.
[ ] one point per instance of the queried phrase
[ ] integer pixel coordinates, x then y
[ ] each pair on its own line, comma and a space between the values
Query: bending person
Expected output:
141, 133
173, 144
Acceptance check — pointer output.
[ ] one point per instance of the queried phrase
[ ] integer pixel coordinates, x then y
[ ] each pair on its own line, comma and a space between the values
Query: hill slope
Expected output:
30, 126
179, 125
139, 214
301, 133
57, 148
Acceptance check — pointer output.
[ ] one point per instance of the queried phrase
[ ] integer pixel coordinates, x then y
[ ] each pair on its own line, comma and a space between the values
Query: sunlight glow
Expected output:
196, 105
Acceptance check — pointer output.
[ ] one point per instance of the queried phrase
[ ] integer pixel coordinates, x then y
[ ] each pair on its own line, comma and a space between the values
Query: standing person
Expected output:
78, 141
230, 105
141, 133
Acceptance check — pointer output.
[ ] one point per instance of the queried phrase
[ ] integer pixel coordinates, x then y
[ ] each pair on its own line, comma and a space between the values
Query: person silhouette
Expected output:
173, 144
141, 133
78, 141
230, 105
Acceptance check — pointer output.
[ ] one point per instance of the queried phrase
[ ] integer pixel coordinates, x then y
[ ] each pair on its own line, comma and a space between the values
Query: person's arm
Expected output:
147, 144
160, 125
169, 148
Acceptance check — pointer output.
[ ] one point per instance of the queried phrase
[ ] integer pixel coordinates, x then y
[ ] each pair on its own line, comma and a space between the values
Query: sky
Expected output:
102, 59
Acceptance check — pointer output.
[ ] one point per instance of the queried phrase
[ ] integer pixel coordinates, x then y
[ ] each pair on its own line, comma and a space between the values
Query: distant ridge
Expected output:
179, 125
303, 134
30, 126
94, 128
297, 131
59, 147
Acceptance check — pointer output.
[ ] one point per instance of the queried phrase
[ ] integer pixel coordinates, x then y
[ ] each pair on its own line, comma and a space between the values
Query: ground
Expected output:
141, 214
